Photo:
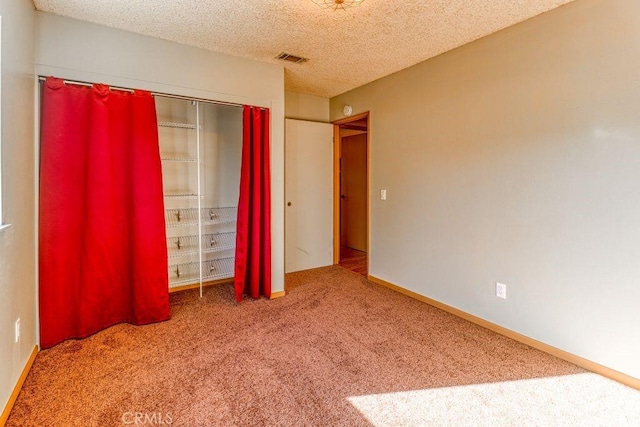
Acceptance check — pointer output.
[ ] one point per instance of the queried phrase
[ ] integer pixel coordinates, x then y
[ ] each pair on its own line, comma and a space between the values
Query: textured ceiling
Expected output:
346, 49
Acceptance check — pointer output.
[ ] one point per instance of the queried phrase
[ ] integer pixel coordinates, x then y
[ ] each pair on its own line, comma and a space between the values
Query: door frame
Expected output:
337, 149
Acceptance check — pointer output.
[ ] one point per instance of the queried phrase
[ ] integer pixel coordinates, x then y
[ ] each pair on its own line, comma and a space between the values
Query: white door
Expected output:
308, 195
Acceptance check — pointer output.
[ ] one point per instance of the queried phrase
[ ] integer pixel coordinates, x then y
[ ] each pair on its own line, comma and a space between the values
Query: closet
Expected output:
201, 149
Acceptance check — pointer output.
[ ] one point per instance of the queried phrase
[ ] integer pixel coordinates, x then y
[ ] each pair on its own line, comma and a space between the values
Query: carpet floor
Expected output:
338, 350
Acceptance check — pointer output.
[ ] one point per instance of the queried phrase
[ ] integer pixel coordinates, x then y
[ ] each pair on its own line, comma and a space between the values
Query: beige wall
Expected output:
78, 50
306, 107
17, 242
516, 159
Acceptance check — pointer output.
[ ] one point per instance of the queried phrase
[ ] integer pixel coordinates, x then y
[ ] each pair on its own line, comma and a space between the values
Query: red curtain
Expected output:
103, 253
253, 237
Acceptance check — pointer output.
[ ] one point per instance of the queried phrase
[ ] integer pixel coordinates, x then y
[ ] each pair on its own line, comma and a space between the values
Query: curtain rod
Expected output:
166, 95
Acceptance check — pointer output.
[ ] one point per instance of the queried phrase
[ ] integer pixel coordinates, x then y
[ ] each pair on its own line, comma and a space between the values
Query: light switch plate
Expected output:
383, 194
17, 331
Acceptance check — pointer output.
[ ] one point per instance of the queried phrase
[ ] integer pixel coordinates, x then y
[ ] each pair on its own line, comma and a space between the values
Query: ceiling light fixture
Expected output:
337, 4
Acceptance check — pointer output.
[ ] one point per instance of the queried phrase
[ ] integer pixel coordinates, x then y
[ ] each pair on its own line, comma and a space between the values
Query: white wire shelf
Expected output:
184, 196
189, 216
212, 242
179, 159
176, 125
212, 269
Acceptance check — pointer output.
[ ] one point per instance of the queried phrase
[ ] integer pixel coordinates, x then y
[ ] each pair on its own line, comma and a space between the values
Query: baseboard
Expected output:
554, 351
18, 387
275, 295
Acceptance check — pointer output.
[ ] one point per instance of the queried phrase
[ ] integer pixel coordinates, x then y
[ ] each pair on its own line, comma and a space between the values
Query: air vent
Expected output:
291, 58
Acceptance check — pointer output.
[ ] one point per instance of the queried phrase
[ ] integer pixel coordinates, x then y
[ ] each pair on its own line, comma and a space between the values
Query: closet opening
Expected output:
143, 194
201, 149
351, 193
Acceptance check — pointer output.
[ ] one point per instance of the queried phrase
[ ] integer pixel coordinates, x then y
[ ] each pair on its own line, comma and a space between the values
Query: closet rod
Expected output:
166, 95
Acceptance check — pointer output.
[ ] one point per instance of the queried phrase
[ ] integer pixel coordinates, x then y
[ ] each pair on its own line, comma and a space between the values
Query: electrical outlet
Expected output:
501, 290
16, 338
383, 194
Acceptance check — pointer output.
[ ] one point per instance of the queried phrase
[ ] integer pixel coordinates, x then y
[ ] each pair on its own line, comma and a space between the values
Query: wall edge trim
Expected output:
18, 387
275, 295
538, 345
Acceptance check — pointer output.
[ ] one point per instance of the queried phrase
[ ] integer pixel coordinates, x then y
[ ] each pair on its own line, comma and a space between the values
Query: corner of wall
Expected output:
17, 243
306, 107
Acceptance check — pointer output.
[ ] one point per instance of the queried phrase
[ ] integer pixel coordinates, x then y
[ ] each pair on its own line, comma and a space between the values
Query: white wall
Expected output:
516, 158
78, 50
306, 107
17, 242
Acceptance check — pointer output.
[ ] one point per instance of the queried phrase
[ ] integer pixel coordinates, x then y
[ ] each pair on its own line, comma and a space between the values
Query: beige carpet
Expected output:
336, 351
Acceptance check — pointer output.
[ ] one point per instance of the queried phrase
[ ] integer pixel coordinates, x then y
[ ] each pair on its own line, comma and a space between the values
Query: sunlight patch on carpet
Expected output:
582, 399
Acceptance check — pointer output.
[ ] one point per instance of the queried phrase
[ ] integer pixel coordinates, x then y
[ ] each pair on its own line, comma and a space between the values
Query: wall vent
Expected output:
291, 58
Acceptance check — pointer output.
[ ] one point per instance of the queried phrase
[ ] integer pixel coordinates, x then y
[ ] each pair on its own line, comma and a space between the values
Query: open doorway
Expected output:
351, 193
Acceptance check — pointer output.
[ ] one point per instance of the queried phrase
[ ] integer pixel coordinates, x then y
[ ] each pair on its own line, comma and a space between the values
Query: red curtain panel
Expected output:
103, 253
253, 237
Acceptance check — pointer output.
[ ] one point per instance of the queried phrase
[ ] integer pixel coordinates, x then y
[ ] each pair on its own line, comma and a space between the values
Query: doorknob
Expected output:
342, 196
288, 203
